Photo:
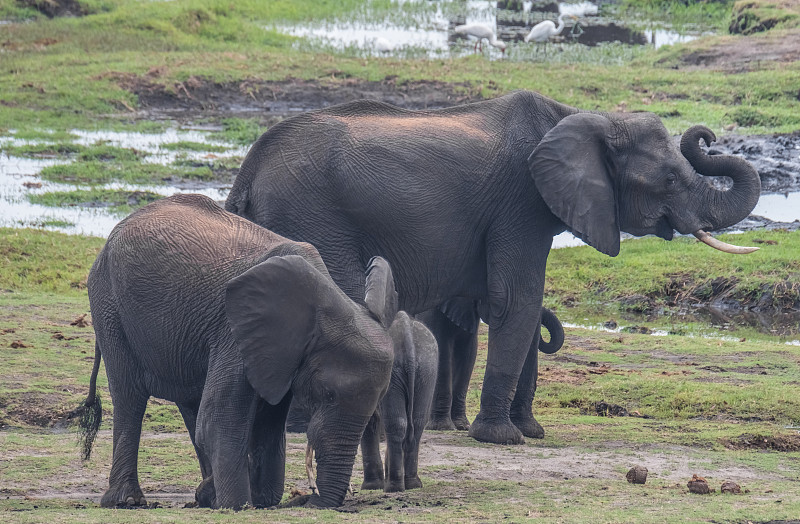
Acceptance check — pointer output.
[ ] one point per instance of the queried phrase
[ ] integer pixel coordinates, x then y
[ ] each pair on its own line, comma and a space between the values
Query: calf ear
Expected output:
271, 310
570, 167
381, 296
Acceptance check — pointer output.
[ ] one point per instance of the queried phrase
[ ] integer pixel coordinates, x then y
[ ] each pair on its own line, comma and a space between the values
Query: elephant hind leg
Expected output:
464, 354
204, 495
123, 483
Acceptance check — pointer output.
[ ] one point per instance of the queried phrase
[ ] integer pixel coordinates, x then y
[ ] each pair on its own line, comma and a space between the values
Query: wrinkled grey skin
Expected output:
231, 321
404, 410
465, 201
456, 333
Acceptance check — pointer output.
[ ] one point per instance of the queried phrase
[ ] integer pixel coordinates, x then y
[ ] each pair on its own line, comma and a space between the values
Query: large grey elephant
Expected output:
455, 327
465, 201
231, 321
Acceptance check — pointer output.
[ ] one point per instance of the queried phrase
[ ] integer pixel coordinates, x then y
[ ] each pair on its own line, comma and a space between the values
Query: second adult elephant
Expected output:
465, 201
455, 326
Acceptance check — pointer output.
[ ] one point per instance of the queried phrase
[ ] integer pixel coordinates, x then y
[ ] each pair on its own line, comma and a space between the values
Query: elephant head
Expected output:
602, 174
296, 330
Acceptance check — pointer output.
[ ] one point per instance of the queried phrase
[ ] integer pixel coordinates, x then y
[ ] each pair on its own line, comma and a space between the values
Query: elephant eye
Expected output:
671, 179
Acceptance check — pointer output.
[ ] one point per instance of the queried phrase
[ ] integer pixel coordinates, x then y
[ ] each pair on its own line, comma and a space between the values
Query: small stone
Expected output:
637, 475
698, 485
731, 487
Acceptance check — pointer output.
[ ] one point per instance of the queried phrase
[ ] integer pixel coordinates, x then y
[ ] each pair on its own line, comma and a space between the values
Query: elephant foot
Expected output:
204, 495
496, 431
393, 486
461, 422
413, 482
441, 423
528, 425
372, 484
124, 495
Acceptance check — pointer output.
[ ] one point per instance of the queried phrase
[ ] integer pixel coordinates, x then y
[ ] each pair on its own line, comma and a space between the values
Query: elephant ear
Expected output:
570, 167
463, 312
271, 310
380, 296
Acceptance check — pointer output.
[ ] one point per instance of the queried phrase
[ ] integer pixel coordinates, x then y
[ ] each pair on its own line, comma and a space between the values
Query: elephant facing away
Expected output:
403, 411
455, 326
465, 201
231, 321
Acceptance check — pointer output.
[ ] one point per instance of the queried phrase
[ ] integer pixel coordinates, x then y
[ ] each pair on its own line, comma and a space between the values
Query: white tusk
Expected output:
707, 239
310, 468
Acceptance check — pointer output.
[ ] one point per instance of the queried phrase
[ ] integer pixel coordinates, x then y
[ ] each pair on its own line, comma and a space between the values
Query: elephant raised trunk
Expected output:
725, 208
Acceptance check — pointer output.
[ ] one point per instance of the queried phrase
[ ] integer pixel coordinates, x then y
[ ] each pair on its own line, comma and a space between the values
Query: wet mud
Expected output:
200, 97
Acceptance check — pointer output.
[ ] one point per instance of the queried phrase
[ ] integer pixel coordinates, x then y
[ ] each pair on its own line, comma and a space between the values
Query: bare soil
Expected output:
747, 53
201, 97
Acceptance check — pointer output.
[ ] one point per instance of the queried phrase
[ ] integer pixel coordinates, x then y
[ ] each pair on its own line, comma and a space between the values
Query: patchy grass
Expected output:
709, 405
132, 172
174, 41
682, 269
42, 150
122, 200
193, 146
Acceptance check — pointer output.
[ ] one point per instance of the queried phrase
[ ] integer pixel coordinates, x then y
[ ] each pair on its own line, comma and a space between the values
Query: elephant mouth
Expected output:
664, 229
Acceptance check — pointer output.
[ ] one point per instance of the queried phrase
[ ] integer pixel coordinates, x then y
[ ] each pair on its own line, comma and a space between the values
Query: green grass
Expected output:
132, 172
45, 262
682, 268
699, 394
193, 146
123, 201
38, 150
213, 40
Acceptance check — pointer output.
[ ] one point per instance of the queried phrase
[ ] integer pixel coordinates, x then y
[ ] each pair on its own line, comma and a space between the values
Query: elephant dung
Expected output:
698, 485
731, 487
637, 475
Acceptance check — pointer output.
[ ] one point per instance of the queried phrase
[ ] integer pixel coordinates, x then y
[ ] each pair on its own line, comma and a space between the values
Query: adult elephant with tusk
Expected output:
465, 201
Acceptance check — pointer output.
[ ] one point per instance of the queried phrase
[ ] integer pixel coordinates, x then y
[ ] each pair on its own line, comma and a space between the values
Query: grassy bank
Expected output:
66, 72
681, 270
713, 407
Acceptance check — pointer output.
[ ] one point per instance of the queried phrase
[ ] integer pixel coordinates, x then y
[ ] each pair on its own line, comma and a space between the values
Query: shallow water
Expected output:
16, 172
430, 32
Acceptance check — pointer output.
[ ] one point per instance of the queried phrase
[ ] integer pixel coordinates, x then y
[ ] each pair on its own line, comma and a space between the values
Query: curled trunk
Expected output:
722, 208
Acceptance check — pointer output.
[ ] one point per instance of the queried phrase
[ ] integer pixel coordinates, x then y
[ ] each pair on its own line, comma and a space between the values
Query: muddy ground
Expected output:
776, 157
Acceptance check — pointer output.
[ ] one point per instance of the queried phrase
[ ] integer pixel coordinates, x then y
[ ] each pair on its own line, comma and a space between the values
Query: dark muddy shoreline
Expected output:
776, 157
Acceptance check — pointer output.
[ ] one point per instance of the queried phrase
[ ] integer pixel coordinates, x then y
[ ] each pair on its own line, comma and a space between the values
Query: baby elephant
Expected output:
230, 321
404, 410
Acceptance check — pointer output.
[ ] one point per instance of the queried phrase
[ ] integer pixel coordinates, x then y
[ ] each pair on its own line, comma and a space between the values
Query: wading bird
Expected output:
481, 31
542, 31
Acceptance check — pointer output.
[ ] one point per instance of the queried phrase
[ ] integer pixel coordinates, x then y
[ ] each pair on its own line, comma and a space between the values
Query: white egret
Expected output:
542, 31
481, 31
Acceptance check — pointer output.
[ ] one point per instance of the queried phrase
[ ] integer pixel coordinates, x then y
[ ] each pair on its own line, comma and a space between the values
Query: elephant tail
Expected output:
90, 412
553, 325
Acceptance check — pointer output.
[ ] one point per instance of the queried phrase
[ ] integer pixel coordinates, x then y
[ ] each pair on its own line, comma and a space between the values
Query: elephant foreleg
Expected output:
268, 453
371, 454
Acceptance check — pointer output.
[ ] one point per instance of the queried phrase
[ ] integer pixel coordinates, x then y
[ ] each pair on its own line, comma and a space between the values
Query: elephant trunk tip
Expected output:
707, 239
